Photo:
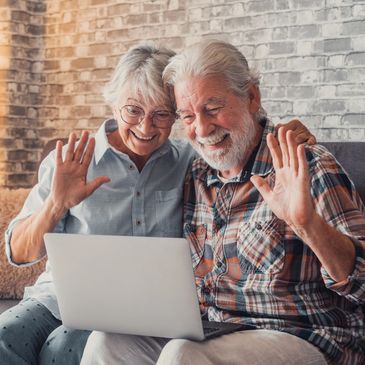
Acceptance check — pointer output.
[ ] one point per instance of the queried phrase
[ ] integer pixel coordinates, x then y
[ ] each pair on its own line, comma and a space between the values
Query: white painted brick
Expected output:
331, 121
216, 25
195, 14
326, 91
302, 107
357, 134
358, 43
355, 59
304, 48
354, 120
336, 60
358, 10
356, 105
351, 90
237, 9
331, 30
262, 51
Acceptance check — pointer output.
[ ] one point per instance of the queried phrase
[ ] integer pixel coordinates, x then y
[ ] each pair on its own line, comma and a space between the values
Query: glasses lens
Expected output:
163, 118
131, 114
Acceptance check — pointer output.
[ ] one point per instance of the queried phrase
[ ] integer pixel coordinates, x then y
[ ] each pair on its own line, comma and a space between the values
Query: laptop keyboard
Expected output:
208, 330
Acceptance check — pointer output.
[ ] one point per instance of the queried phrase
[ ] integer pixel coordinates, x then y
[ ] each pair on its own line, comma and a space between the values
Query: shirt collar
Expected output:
102, 144
259, 163
101, 138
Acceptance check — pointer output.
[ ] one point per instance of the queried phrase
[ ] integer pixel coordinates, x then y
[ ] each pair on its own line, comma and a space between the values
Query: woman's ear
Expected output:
115, 113
255, 99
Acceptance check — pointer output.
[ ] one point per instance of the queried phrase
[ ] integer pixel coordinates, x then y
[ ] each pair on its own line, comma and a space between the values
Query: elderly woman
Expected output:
127, 180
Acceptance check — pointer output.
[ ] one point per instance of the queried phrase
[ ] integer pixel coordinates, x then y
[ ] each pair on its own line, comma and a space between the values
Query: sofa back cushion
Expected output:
350, 155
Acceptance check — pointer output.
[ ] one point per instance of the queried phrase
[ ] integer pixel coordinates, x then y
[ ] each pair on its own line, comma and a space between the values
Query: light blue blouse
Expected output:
146, 203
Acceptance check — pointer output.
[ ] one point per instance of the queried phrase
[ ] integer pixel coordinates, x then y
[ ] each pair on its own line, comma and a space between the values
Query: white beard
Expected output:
237, 145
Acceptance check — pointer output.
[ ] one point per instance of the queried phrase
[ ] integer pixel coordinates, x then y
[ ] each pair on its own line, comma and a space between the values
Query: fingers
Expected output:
303, 171
70, 147
81, 146
96, 183
89, 151
59, 146
262, 186
275, 151
283, 146
293, 155
312, 140
76, 153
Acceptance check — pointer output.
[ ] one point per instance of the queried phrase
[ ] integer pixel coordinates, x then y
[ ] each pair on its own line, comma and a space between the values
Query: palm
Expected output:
290, 198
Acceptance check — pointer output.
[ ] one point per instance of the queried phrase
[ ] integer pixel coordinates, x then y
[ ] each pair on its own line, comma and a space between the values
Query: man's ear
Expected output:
255, 99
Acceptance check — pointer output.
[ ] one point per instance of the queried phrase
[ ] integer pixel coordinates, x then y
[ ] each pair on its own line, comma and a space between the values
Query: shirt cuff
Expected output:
8, 235
354, 284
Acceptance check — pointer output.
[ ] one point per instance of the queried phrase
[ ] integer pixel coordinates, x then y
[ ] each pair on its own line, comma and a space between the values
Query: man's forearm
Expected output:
335, 251
27, 243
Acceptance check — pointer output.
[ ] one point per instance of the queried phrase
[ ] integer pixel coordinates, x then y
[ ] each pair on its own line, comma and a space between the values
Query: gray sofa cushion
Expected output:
351, 156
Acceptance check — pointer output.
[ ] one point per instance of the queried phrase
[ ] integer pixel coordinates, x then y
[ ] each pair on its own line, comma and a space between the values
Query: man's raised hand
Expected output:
290, 198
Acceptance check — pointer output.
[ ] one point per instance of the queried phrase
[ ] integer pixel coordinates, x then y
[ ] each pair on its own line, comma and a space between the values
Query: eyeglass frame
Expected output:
151, 115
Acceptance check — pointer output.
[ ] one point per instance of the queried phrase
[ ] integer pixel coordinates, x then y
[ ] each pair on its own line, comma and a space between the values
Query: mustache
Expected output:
213, 138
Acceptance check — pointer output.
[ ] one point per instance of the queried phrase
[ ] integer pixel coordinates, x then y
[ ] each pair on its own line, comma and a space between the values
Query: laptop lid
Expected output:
123, 284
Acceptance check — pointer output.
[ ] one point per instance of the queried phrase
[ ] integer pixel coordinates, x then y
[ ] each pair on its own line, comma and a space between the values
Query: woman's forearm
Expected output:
27, 243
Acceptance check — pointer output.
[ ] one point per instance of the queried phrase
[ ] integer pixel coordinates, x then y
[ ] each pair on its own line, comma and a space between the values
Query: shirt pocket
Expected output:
169, 212
260, 247
196, 235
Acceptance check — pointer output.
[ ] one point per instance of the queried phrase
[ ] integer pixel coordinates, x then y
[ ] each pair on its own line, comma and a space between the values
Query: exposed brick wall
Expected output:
310, 53
21, 57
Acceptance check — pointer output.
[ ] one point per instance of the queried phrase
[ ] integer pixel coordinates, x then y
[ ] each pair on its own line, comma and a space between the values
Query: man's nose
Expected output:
203, 126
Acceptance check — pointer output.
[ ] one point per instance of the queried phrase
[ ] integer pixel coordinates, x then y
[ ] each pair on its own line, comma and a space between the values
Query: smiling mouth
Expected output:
142, 138
213, 144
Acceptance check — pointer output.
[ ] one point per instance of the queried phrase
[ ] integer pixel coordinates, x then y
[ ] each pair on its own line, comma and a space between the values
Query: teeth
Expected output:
143, 138
212, 141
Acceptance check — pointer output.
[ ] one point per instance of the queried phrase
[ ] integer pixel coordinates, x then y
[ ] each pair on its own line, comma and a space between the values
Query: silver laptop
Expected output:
131, 285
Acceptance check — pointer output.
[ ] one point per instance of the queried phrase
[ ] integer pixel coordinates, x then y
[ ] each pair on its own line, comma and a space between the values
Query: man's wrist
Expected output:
307, 232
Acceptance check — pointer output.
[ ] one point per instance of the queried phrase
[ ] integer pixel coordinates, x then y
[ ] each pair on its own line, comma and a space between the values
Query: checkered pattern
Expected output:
251, 267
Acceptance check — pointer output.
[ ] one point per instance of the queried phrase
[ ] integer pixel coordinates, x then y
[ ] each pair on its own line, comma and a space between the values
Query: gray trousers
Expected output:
254, 347
30, 334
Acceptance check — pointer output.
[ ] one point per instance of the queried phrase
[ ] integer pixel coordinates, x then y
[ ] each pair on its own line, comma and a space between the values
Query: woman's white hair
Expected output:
140, 70
209, 58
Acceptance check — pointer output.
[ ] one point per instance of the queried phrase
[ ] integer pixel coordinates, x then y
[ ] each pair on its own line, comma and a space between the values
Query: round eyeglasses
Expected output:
132, 114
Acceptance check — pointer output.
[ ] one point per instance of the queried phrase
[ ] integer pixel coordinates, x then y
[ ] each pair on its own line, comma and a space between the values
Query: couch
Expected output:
13, 280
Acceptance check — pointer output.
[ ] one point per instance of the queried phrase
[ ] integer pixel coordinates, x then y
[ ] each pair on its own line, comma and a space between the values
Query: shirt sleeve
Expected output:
336, 200
33, 203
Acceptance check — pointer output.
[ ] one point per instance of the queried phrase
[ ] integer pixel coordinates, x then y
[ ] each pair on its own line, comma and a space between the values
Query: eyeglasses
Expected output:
132, 114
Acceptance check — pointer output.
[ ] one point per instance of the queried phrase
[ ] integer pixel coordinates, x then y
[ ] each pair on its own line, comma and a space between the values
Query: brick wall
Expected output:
56, 55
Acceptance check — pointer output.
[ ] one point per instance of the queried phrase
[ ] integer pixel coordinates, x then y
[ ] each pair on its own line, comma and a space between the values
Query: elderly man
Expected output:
277, 232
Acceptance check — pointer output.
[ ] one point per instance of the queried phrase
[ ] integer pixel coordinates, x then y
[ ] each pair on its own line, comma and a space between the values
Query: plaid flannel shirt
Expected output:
251, 267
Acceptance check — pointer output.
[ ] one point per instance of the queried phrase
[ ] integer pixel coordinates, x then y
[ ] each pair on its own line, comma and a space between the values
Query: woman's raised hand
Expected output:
70, 185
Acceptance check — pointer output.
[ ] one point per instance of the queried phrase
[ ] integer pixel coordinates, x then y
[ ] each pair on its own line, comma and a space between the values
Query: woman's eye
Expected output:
133, 111
163, 114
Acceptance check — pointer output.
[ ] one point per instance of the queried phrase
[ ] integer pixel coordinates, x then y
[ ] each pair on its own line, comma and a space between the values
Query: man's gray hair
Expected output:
209, 58
140, 70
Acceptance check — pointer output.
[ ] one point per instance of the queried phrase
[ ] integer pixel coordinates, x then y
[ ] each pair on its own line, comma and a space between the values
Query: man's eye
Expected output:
213, 111
187, 118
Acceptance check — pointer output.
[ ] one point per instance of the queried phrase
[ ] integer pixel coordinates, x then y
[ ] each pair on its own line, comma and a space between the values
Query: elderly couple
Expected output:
277, 231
